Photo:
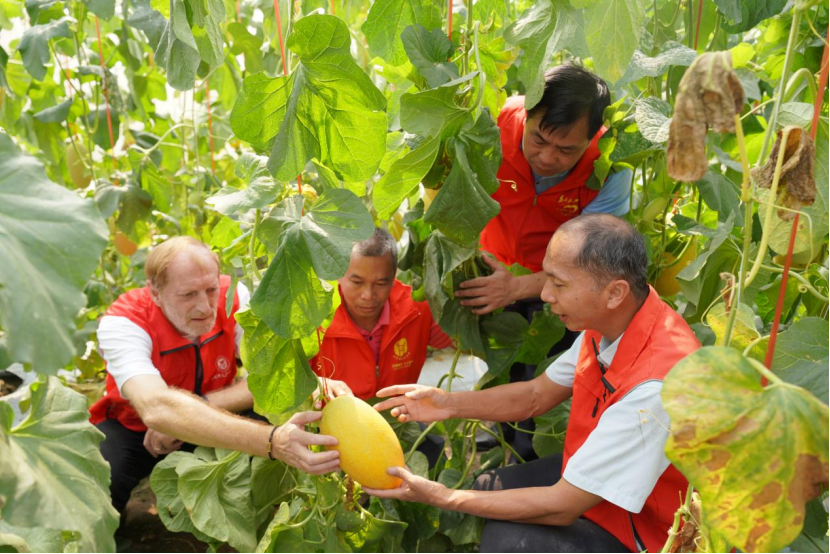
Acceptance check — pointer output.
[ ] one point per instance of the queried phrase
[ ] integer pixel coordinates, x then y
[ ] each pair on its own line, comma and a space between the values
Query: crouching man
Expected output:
612, 489
170, 349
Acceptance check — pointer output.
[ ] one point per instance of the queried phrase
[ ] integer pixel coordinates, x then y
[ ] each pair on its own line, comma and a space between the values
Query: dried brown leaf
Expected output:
797, 170
710, 93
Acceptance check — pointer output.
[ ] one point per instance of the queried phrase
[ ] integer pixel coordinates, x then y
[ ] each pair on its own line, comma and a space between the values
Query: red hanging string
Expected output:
779, 307
238, 16
210, 126
699, 17
106, 93
331, 7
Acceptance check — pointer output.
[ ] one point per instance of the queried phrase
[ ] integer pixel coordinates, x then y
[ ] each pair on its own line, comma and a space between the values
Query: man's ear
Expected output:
155, 294
617, 291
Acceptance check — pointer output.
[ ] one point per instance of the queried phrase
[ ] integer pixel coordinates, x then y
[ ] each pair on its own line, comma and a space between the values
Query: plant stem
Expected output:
252, 246
746, 198
767, 226
473, 428
504, 444
452, 368
419, 440
766, 373
683, 509
796, 23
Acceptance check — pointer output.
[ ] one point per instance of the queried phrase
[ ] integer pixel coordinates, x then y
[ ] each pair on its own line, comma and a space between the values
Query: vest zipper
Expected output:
377, 372
596, 407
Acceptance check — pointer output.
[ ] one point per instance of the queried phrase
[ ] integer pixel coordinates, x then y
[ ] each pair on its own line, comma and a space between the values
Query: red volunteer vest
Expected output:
655, 340
345, 356
178, 360
521, 231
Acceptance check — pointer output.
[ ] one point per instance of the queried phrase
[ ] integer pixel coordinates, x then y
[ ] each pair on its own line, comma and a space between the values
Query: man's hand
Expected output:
159, 444
491, 292
333, 387
415, 403
413, 488
291, 441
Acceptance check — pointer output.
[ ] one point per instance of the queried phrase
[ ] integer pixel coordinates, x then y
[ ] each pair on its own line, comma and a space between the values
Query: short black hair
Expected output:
571, 93
611, 249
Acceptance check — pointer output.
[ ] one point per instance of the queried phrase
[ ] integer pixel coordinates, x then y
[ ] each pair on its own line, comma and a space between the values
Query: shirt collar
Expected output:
607, 350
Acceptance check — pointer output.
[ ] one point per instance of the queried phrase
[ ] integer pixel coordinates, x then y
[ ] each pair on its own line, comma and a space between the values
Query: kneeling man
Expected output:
612, 489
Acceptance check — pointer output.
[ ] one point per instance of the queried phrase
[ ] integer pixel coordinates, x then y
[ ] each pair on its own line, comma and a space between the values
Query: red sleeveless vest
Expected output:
521, 231
655, 340
179, 361
345, 356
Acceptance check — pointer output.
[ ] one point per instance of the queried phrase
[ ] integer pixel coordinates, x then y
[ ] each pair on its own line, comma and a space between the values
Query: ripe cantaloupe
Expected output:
367, 444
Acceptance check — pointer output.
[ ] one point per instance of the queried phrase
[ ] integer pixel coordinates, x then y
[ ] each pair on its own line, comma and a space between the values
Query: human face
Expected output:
571, 291
190, 298
552, 152
366, 287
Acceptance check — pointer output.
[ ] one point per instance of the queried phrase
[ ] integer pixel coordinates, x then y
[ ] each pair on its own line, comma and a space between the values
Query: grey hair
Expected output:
611, 249
381, 243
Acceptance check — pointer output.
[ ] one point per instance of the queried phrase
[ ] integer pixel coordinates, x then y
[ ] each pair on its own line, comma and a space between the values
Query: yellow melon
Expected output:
367, 444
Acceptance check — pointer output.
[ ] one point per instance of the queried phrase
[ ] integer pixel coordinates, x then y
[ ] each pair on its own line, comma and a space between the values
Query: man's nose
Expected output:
547, 294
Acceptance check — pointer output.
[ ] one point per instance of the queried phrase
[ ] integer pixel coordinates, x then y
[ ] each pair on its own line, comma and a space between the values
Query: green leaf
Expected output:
271, 483
52, 473
291, 299
55, 114
428, 52
403, 177
612, 30
50, 242
755, 453
550, 430
721, 195
31, 539
217, 494
671, 53
34, 45
208, 15
274, 528
801, 356
813, 537
743, 15
653, 118
442, 257
177, 51
546, 329
433, 112
463, 206
744, 331
164, 481
261, 190
799, 114
248, 45
387, 19
104, 9
327, 109
541, 32
148, 20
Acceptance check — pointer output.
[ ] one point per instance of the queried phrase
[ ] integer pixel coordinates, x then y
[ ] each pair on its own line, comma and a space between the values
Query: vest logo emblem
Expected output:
569, 206
401, 349
223, 364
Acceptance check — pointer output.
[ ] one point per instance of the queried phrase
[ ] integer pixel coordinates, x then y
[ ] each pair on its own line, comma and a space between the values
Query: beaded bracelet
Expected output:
270, 439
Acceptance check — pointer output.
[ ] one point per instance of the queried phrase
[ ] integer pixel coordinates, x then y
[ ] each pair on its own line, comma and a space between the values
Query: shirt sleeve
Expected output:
127, 349
438, 339
561, 371
244, 300
624, 456
613, 198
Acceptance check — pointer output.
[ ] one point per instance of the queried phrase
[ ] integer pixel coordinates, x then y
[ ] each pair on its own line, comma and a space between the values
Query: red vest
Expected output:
522, 229
173, 355
655, 340
344, 354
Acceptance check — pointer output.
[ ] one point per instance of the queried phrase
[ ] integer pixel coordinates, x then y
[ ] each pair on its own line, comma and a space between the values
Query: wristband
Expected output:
269, 446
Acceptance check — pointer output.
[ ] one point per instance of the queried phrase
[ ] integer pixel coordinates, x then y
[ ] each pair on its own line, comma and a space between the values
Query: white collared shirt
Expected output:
624, 456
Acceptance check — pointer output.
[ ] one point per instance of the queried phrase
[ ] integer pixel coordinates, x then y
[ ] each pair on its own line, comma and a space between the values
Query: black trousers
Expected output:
507, 536
129, 461
521, 442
